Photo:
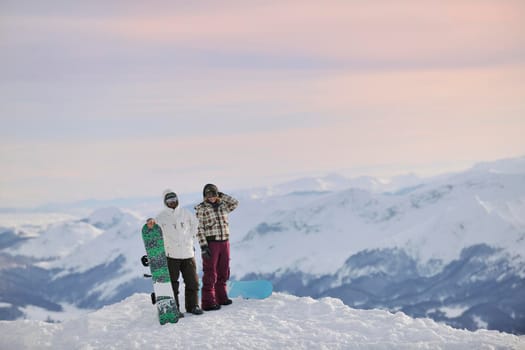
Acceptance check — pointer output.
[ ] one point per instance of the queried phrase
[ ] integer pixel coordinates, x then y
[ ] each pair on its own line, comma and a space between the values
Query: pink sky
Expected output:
99, 101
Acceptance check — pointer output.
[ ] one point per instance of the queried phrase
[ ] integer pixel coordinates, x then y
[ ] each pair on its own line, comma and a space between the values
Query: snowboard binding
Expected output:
145, 262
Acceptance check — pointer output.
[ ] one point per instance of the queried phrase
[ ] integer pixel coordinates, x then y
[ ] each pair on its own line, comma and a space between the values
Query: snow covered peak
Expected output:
279, 322
58, 240
106, 218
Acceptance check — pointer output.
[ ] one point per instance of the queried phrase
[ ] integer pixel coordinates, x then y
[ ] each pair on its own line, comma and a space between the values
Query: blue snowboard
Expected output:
256, 289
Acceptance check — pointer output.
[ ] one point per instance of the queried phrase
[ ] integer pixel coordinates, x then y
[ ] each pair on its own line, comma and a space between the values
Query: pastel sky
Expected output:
107, 99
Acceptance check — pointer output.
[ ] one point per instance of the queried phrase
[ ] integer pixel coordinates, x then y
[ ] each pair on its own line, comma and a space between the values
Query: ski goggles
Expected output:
171, 198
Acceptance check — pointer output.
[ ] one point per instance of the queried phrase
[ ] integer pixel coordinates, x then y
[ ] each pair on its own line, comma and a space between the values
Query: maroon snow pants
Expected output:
216, 271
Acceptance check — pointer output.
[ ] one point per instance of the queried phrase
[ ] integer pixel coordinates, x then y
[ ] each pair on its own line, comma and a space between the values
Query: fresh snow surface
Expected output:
69, 311
279, 322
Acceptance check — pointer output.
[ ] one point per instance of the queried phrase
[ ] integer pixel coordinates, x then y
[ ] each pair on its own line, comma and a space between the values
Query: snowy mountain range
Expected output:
451, 248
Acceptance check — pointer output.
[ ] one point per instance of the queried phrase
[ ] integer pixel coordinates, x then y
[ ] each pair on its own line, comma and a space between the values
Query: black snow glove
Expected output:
205, 252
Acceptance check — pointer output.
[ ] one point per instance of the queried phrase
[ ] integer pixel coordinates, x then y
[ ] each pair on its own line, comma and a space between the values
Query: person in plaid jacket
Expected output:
213, 233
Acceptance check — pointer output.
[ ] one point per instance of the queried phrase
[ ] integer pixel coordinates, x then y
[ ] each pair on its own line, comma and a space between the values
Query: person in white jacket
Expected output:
179, 228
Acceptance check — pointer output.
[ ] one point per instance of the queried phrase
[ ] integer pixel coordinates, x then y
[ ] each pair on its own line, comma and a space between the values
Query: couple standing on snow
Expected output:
211, 227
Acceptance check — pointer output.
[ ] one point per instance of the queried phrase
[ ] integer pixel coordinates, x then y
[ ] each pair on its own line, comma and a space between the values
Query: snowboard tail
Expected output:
167, 310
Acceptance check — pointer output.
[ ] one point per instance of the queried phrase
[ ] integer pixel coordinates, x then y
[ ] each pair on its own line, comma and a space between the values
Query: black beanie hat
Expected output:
209, 189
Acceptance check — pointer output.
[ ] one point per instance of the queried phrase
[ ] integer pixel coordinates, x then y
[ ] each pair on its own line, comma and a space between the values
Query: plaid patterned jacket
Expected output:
213, 222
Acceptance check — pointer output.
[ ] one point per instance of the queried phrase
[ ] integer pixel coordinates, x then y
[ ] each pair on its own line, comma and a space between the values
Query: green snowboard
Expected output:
163, 292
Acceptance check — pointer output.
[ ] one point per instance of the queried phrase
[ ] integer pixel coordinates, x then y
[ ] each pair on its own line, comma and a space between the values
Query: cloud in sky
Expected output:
106, 100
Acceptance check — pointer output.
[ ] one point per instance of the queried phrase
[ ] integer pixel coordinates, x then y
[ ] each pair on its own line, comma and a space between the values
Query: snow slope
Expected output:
279, 322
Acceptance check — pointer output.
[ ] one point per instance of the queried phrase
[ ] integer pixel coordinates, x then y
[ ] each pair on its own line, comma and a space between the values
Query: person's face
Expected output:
150, 223
213, 199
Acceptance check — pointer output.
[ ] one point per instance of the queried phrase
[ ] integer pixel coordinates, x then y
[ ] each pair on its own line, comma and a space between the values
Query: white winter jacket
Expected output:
179, 228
